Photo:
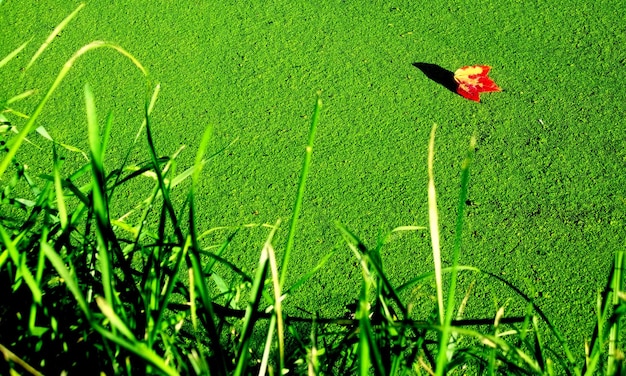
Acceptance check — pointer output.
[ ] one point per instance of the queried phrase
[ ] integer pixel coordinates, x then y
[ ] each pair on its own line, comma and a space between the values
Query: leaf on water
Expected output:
473, 80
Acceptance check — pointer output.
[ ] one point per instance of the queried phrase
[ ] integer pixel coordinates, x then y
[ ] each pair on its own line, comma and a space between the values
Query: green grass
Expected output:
546, 205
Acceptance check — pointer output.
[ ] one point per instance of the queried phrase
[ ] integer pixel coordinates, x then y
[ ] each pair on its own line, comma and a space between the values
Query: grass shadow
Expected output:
438, 74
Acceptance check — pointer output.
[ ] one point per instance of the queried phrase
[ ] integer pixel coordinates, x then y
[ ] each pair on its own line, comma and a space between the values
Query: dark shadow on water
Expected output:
438, 74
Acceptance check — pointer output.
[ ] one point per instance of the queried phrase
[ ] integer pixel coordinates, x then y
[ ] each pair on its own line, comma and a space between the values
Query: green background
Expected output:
547, 192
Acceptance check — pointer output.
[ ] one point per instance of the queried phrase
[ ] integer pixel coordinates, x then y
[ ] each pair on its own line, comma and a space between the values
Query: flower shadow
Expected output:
438, 74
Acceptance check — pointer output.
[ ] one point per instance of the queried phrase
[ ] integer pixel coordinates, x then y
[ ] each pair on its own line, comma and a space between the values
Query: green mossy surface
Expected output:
548, 190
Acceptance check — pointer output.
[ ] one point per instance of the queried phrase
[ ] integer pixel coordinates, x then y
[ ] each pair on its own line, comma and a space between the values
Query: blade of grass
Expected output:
368, 350
14, 144
11, 357
268, 347
113, 318
19, 259
429, 275
139, 349
309, 274
13, 54
4, 256
168, 290
433, 220
514, 355
278, 311
165, 189
559, 336
250, 318
539, 345
99, 197
306, 164
106, 133
365, 331
63, 217
53, 35
150, 107
618, 282
21, 96
604, 325
193, 256
199, 161
68, 277
446, 347
361, 252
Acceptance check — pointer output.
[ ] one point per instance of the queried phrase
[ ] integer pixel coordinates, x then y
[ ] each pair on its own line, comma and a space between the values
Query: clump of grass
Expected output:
85, 290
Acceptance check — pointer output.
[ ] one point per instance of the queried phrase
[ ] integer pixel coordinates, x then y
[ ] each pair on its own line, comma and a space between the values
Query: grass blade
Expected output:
267, 349
21, 96
199, 161
193, 256
433, 220
9, 356
14, 144
446, 346
12, 54
113, 318
99, 197
298, 205
278, 312
618, 280
53, 35
309, 274
68, 277
58, 188
138, 348
19, 260
251, 310
365, 330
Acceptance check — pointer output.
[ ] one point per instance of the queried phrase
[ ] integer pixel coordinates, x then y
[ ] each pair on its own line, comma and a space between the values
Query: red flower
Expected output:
473, 81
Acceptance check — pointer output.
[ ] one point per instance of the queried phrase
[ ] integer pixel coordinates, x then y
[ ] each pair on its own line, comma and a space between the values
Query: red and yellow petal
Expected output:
473, 80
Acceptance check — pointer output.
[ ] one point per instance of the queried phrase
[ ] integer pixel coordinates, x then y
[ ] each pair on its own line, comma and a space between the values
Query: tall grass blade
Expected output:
557, 333
301, 185
53, 35
164, 187
372, 259
14, 143
268, 348
4, 256
368, 349
365, 330
429, 275
138, 348
309, 274
150, 107
19, 259
168, 290
250, 318
199, 161
68, 277
539, 345
433, 221
278, 311
13, 54
618, 282
106, 133
193, 256
113, 318
58, 188
99, 197
447, 344
20, 97
10, 357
